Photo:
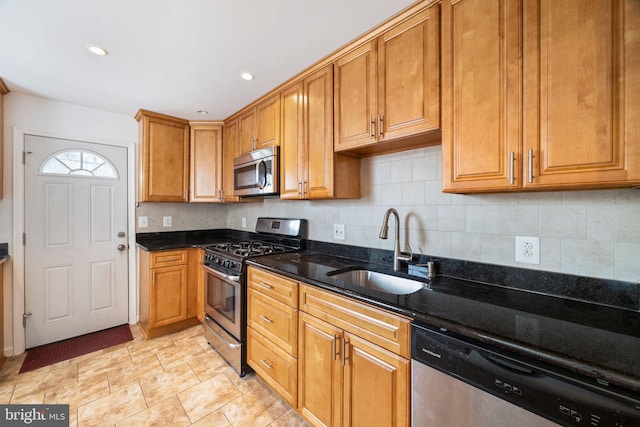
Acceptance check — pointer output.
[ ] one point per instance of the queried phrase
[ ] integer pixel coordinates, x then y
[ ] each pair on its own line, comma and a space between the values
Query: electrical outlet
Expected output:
143, 221
338, 231
244, 222
166, 221
528, 249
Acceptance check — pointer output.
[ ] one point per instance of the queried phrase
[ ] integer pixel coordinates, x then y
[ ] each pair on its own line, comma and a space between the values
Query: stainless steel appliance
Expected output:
225, 283
466, 384
257, 173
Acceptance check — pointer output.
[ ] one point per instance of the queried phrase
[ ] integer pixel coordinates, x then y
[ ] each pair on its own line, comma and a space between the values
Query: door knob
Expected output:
121, 247
122, 234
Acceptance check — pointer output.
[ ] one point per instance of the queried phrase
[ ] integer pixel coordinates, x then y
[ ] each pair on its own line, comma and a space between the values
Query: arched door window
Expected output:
76, 162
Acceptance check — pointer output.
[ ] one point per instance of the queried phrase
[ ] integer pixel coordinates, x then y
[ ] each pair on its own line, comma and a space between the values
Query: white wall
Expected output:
54, 118
590, 233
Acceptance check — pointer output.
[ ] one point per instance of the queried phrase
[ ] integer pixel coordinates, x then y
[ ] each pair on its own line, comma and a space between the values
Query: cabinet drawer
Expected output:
276, 321
168, 258
277, 287
388, 330
274, 366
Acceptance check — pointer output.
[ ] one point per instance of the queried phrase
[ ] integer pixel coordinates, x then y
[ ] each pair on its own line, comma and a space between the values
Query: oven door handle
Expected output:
220, 274
223, 339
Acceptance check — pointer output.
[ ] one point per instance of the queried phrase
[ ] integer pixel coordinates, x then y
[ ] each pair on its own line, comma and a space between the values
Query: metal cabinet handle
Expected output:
169, 259
300, 188
512, 158
305, 188
266, 319
371, 135
335, 347
344, 352
380, 133
264, 285
530, 165
266, 364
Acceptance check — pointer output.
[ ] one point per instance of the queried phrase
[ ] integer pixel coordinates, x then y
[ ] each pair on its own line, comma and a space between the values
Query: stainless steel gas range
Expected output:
226, 288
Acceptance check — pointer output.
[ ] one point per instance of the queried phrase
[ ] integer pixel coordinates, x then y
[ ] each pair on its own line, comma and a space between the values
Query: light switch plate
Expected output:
143, 221
166, 221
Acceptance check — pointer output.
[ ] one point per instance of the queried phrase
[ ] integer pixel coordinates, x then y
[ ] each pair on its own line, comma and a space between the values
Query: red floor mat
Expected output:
49, 354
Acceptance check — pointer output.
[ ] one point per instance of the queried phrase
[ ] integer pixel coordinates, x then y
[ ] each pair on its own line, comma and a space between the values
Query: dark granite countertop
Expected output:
589, 326
162, 241
597, 340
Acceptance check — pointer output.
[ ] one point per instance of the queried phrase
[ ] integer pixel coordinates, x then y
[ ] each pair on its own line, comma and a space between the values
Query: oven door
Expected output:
223, 299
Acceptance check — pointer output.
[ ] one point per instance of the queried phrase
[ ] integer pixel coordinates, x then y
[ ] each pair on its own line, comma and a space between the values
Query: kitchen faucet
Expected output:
398, 255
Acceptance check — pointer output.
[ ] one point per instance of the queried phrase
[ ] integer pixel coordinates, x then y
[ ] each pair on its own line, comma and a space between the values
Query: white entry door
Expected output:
76, 261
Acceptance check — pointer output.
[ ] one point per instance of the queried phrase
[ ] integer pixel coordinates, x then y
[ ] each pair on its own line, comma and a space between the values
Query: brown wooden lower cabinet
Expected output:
346, 363
347, 381
168, 294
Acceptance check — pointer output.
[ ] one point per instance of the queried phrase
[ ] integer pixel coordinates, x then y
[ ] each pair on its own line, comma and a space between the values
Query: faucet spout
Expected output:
398, 255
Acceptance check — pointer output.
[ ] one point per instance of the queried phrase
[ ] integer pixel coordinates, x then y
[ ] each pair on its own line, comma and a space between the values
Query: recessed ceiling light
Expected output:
97, 50
247, 76
202, 112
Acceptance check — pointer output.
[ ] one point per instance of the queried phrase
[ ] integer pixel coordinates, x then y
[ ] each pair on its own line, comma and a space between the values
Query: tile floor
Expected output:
175, 380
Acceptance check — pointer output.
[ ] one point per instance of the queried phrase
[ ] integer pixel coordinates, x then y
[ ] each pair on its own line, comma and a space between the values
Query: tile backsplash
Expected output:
587, 233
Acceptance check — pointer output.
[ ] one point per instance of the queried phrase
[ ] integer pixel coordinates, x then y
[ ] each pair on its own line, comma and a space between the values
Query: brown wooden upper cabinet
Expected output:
387, 90
537, 95
309, 167
163, 174
206, 162
259, 126
230, 150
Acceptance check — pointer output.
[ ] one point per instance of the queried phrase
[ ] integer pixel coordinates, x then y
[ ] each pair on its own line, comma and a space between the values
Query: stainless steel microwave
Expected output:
256, 173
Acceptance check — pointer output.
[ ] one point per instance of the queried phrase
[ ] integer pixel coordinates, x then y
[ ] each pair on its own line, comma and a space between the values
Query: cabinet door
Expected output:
268, 122
320, 372
356, 88
409, 77
581, 107
292, 145
318, 182
206, 163
481, 95
230, 150
371, 371
247, 130
165, 147
168, 295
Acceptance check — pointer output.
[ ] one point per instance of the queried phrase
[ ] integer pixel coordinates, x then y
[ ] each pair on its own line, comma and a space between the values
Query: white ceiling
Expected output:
173, 56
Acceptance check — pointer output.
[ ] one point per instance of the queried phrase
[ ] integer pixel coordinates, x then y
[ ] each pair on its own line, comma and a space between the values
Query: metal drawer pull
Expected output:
512, 158
264, 285
371, 135
530, 164
335, 347
266, 319
380, 133
169, 259
266, 364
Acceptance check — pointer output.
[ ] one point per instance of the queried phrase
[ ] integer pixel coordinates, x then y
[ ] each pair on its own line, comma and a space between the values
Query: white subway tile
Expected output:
433, 194
497, 249
519, 220
401, 170
541, 198
588, 258
437, 243
451, 218
391, 194
424, 169
589, 197
627, 262
564, 222
467, 246
483, 219
412, 193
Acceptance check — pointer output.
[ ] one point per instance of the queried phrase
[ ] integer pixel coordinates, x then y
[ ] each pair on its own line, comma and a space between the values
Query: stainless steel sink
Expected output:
376, 281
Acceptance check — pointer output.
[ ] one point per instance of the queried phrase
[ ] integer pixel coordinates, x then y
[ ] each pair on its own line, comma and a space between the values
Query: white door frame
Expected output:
18, 255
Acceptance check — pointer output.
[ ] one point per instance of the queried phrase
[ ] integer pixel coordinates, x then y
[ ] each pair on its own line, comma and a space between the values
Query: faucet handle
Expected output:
406, 256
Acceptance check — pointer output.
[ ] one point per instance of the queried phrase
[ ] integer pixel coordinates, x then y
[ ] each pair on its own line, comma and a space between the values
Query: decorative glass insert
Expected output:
75, 162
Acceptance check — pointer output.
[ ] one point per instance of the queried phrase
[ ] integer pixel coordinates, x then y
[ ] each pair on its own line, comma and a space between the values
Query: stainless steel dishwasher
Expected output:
457, 382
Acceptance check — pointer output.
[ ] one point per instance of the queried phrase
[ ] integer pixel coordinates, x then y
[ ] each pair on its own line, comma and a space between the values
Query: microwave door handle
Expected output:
259, 181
